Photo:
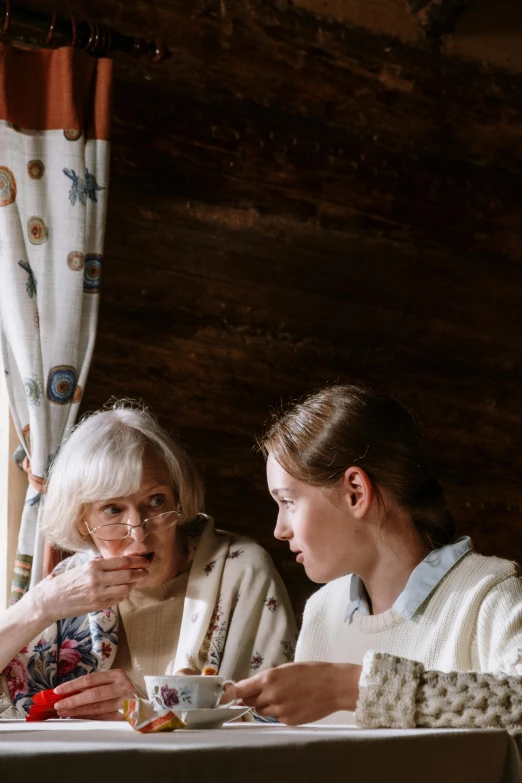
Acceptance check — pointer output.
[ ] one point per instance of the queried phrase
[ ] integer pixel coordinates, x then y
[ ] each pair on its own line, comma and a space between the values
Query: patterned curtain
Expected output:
54, 159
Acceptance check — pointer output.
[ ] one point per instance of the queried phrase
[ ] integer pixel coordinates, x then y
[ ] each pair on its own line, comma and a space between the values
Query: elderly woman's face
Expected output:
163, 549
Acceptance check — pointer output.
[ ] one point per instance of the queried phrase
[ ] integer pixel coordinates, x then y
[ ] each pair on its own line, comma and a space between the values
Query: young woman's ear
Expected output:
358, 491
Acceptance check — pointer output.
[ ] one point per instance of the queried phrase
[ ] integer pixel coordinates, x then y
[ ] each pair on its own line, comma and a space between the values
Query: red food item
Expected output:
41, 713
43, 705
44, 698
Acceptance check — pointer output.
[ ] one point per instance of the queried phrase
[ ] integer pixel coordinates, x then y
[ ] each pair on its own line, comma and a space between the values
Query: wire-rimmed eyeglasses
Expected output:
117, 531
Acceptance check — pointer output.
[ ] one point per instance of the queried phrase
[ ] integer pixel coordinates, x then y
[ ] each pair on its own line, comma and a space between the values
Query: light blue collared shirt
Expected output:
423, 580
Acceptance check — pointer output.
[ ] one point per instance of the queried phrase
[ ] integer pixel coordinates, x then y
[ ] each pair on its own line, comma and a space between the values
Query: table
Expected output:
98, 752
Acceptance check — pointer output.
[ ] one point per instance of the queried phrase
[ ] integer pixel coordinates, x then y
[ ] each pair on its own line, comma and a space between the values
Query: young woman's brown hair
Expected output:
317, 439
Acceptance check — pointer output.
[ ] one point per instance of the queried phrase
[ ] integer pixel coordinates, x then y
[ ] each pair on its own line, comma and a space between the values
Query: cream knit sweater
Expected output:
149, 630
471, 621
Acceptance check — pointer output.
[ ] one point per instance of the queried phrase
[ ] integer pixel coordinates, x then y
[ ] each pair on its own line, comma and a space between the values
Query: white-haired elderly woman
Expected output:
152, 589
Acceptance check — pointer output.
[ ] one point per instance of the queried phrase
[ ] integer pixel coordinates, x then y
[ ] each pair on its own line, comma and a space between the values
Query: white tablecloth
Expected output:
96, 752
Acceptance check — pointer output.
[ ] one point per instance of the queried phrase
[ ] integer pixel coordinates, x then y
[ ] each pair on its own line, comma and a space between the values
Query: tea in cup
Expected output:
186, 691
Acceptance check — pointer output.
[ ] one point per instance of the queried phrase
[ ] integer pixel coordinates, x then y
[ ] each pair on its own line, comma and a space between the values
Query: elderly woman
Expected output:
152, 589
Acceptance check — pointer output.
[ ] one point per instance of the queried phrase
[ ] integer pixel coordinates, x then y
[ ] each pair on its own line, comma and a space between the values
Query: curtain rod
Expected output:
99, 40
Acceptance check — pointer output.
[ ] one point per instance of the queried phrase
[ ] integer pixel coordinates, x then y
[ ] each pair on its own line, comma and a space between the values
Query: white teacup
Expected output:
186, 691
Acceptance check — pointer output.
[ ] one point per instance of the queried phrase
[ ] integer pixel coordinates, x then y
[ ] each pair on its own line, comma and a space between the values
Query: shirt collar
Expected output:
423, 580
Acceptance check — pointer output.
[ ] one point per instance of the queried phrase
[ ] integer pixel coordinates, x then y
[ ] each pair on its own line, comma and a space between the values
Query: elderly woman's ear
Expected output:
82, 529
36, 482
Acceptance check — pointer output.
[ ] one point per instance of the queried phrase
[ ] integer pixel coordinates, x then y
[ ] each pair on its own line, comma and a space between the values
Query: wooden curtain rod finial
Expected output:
155, 51
161, 51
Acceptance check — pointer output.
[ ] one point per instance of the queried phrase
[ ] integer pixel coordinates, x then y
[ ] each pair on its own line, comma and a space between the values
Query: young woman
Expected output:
153, 588
362, 511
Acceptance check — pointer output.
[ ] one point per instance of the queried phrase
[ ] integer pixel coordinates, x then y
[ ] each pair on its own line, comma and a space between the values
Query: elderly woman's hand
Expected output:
296, 693
36, 482
92, 587
101, 696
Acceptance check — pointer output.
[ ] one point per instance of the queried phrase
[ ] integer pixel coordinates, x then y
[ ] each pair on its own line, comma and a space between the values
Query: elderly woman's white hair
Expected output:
102, 460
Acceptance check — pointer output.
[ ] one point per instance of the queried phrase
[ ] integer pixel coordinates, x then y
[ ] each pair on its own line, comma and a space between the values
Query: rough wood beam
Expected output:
437, 16
403, 174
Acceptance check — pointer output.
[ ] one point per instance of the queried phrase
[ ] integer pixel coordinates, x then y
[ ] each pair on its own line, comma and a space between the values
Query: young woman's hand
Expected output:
101, 696
298, 693
91, 587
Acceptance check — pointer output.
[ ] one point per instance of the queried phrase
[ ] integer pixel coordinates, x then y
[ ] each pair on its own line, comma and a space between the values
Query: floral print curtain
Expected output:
54, 158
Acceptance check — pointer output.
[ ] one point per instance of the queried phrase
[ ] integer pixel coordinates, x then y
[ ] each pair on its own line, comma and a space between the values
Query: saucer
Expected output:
210, 718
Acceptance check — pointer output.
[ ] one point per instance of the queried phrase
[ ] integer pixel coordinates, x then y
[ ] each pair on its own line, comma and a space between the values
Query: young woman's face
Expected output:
163, 549
326, 538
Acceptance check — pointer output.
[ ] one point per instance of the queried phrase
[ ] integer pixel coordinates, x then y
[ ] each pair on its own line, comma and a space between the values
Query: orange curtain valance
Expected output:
53, 89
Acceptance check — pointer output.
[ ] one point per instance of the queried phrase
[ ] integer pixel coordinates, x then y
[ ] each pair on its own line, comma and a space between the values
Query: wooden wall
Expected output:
293, 202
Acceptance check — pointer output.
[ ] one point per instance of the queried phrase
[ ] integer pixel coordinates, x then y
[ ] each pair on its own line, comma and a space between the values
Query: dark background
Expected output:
301, 195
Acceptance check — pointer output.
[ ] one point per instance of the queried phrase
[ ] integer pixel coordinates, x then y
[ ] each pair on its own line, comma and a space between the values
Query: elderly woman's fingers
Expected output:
99, 692
116, 571
123, 571
112, 578
87, 683
128, 562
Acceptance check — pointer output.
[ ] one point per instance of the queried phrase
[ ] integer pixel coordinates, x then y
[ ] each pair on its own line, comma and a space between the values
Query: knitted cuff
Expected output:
387, 692
478, 700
